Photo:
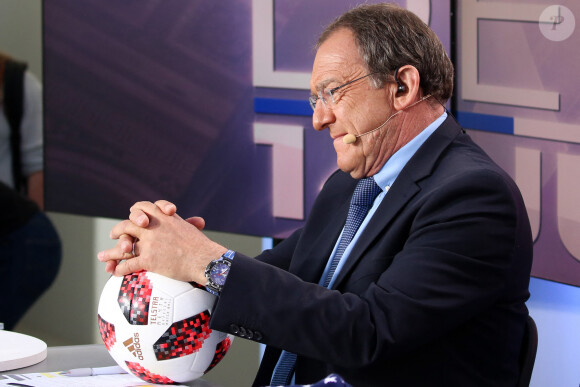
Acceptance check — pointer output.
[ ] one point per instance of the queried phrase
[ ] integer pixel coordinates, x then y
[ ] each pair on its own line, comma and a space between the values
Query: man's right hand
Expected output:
146, 219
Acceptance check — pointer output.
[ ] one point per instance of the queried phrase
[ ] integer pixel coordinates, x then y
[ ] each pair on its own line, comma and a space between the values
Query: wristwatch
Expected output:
217, 271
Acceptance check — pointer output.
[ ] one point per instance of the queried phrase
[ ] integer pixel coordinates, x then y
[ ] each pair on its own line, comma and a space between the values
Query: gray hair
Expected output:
389, 37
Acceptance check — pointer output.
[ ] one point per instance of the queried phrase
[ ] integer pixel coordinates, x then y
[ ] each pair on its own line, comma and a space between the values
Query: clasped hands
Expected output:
156, 239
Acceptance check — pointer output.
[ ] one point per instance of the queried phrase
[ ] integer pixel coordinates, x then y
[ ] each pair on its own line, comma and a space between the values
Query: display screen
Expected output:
201, 103
516, 71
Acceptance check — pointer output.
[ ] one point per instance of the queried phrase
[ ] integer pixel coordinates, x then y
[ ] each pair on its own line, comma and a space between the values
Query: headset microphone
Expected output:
351, 138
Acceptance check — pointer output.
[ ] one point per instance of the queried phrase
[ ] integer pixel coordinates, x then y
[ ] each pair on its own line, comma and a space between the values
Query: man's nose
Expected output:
322, 116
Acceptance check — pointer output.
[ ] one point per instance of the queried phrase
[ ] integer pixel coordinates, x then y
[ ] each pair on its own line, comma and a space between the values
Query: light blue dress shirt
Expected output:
385, 179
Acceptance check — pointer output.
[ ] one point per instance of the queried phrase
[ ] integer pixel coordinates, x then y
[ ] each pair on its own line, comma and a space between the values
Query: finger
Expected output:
146, 207
196, 221
139, 218
116, 253
126, 244
127, 267
110, 267
143, 212
167, 207
126, 227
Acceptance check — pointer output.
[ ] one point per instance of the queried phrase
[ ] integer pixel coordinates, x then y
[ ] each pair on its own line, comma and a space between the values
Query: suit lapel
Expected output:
320, 249
402, 191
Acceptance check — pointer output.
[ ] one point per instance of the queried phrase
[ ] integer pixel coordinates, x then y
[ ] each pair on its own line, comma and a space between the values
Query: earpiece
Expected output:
400, 87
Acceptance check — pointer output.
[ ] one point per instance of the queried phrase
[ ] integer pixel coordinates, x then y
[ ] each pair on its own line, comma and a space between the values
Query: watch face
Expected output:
218, 273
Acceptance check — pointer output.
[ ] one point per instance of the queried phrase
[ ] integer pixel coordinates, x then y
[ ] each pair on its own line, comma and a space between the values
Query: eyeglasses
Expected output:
327, 95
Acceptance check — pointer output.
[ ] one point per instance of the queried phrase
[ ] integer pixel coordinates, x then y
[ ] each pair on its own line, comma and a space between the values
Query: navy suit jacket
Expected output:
432, 294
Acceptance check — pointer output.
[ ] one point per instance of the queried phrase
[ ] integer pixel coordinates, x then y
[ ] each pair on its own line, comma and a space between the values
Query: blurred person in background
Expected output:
30, 248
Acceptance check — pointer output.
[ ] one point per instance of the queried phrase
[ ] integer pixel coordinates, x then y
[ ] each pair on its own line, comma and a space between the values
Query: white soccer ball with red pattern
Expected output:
157, 328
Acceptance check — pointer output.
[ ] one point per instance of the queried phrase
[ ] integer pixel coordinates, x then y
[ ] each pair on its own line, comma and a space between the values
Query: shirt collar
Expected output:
389, 172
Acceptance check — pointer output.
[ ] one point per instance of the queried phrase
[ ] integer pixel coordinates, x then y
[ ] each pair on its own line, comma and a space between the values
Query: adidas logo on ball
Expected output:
132, 344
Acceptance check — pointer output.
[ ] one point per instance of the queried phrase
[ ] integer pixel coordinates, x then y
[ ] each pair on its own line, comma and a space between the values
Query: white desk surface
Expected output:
80, 356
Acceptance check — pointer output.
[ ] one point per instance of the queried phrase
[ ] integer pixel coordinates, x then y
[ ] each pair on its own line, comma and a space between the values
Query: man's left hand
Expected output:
164, 244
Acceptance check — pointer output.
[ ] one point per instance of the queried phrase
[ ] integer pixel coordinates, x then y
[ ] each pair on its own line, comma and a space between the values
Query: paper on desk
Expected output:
57, 379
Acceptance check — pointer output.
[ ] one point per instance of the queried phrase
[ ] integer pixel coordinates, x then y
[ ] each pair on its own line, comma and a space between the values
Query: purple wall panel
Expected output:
154, 99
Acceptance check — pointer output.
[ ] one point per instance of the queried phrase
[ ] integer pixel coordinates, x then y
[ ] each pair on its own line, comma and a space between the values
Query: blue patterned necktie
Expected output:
362, 200
364, 195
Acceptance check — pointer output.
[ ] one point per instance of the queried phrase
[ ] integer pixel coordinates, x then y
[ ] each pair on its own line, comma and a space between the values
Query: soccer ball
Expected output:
157, 328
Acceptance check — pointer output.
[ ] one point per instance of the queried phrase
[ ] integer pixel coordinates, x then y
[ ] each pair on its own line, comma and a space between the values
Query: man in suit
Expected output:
429, 290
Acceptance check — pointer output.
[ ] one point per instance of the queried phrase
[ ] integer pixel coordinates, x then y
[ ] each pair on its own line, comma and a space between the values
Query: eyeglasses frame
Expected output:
313, 99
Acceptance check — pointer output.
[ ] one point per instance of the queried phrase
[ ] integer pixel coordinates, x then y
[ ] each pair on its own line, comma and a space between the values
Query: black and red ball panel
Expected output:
183, 337
135, 297
144, 374
107, 331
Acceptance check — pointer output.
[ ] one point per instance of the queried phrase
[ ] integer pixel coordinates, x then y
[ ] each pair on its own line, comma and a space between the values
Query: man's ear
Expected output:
407, 89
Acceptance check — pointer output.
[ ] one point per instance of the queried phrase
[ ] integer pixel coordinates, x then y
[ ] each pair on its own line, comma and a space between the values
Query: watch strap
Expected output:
228, 255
